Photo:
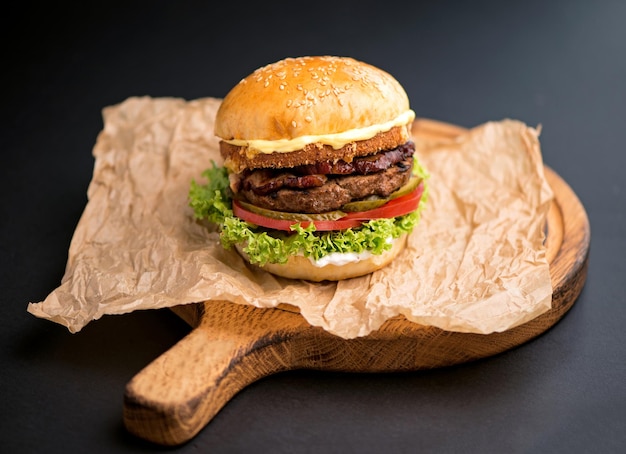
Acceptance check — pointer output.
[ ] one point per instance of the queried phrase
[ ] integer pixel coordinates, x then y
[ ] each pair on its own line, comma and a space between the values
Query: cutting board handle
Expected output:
174, 397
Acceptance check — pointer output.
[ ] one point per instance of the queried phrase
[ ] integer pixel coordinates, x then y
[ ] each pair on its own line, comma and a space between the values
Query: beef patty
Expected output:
327, 186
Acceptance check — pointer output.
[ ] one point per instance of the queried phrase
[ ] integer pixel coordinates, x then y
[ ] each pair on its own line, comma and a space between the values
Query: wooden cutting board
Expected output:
232, 345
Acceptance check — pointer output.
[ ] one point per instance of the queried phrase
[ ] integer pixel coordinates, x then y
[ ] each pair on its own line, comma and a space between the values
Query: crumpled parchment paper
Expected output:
475, 263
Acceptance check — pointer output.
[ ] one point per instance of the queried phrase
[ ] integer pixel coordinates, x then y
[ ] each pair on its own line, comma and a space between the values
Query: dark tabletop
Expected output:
558, 64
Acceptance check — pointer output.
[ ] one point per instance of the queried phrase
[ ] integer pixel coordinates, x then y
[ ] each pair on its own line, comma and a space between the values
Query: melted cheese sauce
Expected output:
336, 141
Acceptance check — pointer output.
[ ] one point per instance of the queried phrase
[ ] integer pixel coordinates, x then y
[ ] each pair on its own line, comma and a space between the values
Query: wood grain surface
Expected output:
233, 345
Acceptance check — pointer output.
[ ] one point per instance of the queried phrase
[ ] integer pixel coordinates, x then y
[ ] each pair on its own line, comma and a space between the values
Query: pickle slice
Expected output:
410, 186
365, 204
374, 202
283, 215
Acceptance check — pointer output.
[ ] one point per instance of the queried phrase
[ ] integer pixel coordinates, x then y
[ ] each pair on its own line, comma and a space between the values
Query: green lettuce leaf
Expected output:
212, 201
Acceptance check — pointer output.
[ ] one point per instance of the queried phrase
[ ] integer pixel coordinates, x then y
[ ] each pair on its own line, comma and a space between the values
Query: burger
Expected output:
319, 179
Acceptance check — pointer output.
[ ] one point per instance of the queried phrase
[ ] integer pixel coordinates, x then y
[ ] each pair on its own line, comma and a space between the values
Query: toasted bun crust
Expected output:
237, 158
299, 267
305, 96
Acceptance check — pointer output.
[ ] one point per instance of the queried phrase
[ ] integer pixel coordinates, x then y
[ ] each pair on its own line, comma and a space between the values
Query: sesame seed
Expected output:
294, 124
308, 119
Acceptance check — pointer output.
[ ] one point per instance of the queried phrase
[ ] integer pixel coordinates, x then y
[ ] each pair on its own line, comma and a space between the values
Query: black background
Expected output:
560, 64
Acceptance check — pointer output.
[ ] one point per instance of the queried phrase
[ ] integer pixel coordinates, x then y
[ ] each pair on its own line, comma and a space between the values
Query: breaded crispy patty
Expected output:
236, 158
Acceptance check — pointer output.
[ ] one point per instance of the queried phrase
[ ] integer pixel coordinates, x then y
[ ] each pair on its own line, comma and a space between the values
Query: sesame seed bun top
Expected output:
309, 96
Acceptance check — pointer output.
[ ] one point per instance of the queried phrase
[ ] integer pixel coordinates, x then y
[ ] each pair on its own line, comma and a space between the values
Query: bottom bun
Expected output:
300, 267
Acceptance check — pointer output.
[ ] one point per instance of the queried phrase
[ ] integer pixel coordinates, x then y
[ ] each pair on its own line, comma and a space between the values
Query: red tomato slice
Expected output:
259, 219
396, 207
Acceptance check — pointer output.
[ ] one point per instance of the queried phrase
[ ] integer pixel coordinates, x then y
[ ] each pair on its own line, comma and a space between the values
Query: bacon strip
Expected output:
264, 182
361, 165
267, 181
